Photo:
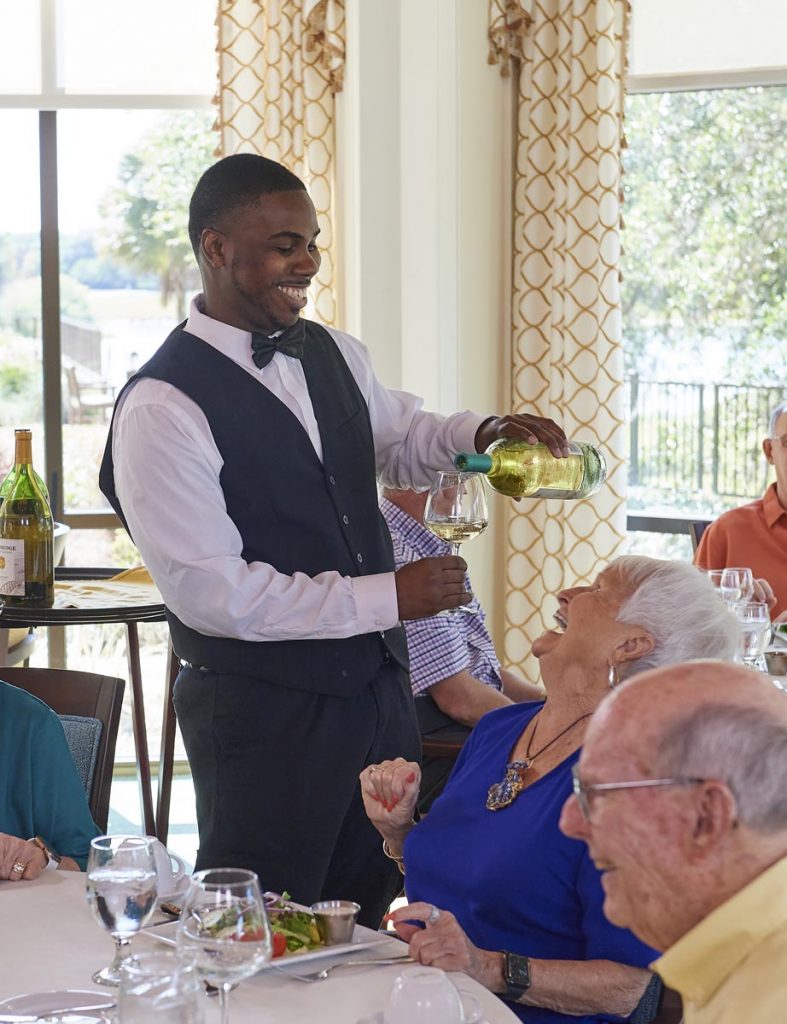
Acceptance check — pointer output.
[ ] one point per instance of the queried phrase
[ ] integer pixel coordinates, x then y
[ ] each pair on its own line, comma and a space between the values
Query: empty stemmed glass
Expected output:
755, 623
224, 927
456, 508
737, 586
121, 892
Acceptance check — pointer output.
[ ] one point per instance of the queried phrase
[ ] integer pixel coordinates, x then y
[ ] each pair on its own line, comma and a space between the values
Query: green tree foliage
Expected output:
147, 213
705, 212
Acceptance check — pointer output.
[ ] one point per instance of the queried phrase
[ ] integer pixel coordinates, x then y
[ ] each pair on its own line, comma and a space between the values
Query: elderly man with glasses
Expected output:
755, 535
680, 796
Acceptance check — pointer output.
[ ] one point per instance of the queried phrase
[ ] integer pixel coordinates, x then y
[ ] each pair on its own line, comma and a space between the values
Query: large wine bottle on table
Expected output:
524, 470
27, 571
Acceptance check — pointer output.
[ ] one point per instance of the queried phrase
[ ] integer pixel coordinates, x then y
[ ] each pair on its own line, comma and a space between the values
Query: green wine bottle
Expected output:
8, 483
523, 470
27, 573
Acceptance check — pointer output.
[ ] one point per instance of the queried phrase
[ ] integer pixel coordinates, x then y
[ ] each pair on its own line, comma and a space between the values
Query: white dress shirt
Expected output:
167, 470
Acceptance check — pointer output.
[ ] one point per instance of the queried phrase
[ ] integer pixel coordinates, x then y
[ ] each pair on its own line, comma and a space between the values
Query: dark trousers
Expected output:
276, 779
435, 724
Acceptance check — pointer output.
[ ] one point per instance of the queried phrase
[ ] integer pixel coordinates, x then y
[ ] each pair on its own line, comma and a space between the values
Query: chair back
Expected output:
83, 736
83, 696
696, 530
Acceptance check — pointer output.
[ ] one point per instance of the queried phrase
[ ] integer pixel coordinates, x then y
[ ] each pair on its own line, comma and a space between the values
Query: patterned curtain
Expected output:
567, 62
281, 64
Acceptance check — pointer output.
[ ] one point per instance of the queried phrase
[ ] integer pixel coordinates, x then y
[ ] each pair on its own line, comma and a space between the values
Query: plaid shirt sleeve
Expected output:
441, 645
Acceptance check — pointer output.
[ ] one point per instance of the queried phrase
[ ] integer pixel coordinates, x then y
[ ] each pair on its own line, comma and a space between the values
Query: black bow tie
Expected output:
290, 342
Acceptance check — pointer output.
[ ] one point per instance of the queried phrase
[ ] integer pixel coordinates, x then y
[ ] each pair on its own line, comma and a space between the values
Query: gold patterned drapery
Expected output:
281, 63
568, 61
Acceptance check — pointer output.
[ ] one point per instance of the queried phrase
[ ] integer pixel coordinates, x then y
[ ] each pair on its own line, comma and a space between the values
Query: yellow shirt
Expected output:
731, 968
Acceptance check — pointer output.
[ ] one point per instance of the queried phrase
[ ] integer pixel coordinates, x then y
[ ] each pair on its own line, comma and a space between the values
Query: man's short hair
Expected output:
744, 747
232, 183
777, 412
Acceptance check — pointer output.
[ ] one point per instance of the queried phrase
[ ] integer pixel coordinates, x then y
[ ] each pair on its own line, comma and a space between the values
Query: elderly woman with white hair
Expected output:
495, 889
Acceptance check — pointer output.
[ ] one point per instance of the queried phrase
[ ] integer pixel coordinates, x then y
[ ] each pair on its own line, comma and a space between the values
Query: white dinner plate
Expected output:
87, 1004
363, 938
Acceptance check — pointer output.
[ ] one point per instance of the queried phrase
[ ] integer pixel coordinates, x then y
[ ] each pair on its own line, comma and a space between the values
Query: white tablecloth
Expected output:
49, 940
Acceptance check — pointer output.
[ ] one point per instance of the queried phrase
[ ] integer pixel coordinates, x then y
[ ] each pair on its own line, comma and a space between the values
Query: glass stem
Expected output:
224, 1003
122, 950
454, 548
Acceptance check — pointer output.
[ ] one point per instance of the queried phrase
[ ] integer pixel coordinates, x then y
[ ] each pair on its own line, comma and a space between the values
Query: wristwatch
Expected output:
516, 975
52, 859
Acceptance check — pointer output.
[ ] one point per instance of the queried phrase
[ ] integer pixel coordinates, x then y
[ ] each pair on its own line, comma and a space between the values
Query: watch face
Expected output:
517, 970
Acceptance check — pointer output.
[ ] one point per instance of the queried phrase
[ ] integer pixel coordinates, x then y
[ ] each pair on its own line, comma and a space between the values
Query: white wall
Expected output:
424, 132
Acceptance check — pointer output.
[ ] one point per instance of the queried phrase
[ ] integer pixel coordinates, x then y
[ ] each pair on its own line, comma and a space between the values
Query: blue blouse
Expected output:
511, 877
40, 791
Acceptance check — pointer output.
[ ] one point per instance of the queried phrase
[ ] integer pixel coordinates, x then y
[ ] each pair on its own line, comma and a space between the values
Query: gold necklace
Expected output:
503, 793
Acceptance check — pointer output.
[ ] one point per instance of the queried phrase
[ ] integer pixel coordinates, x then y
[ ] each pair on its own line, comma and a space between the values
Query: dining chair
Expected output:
696, 530
446, 746
89, 706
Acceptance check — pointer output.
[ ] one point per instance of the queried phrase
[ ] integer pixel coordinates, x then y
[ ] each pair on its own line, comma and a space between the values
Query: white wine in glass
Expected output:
456, 508
224, 927
121, 891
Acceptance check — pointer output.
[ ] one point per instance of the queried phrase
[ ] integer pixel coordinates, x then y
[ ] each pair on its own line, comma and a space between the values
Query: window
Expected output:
106, 107
704, 267
106, 119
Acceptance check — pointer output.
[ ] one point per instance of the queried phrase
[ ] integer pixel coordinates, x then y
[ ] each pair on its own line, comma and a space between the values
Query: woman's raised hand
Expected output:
390, 793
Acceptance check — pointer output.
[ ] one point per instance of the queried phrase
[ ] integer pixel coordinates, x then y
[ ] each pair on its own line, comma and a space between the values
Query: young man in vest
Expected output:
243, 459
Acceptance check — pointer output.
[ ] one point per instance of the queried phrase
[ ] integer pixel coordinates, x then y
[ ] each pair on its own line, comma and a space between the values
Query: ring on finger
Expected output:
372, 769
19, 867
434, 915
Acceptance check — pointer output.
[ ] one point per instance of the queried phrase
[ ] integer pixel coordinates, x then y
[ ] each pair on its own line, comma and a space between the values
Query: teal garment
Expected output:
40, 791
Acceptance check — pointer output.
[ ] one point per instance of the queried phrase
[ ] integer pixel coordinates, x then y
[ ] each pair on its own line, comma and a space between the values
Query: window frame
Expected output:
50, 99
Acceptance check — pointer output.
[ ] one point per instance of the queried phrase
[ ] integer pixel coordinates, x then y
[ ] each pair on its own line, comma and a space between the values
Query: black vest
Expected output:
292, 511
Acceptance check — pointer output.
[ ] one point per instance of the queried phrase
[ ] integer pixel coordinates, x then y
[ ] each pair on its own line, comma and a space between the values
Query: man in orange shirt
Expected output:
755, 535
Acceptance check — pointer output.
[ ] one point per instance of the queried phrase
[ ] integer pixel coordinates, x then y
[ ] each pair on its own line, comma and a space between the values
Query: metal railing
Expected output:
703, 437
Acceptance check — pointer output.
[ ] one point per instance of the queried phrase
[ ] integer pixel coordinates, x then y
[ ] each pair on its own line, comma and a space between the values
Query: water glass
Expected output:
160, 985
755, 624
737, 586
223, 926
121, 888
426, 995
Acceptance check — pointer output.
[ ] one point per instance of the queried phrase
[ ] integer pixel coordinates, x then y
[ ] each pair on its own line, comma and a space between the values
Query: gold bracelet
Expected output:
391, 856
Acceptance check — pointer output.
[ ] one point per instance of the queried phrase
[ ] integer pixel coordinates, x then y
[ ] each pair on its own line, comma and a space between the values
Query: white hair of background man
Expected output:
679, 606
780, 408
744, 747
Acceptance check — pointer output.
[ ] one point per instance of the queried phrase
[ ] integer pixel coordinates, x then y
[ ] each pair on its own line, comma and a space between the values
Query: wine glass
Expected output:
456, 508
755, 623
224, 927
737, 586
121, 891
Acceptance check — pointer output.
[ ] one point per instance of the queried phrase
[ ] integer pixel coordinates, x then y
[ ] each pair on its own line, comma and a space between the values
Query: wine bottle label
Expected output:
12, 568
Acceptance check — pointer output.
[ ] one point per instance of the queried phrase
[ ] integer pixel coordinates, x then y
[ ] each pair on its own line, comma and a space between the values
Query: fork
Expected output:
323, 974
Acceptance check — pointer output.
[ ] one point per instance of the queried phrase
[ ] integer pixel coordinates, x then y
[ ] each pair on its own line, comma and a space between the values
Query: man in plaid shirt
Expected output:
454, 671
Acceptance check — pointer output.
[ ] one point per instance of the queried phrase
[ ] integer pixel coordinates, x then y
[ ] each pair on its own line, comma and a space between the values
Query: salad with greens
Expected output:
294, 929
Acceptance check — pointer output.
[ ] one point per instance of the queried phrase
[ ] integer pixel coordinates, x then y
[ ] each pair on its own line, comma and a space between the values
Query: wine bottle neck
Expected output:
466, 462
23, 454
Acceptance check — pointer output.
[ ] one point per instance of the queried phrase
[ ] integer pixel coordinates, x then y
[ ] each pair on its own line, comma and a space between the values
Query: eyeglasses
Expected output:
583, 790
781, 440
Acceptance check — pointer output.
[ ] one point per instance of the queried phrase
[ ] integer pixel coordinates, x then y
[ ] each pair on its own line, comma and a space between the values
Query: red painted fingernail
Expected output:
411, 777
